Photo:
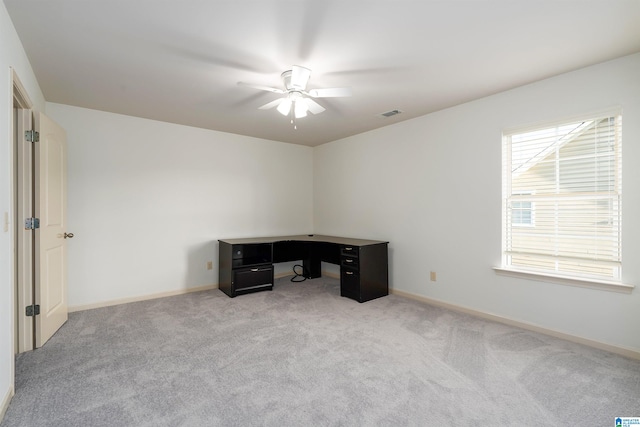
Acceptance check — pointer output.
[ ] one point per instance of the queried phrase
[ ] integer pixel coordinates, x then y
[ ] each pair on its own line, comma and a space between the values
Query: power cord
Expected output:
299, 277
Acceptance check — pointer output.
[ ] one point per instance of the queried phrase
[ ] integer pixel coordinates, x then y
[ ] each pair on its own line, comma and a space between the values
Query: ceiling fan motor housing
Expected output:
298, 80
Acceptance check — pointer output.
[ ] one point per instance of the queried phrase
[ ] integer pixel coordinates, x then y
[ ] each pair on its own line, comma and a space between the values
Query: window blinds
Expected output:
562, 199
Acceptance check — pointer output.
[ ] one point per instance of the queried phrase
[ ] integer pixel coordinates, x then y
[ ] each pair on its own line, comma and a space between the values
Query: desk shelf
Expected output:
245, 268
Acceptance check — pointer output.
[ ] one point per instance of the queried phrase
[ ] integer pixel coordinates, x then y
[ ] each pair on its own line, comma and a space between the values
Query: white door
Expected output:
50, 179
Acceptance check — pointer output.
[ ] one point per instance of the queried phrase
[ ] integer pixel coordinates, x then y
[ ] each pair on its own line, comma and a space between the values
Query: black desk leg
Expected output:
312, 266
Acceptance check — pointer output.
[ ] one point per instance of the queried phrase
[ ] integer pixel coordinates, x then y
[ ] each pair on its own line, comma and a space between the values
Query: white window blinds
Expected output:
561, 196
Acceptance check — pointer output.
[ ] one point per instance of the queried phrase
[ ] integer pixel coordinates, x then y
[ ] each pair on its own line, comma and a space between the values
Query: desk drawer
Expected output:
351, 251
350, 283
253, 278
349, 261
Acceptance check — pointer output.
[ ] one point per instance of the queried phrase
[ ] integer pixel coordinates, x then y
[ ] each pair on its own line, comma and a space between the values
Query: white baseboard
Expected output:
140, 298
627, 352
119, 301
6, 401
330, 274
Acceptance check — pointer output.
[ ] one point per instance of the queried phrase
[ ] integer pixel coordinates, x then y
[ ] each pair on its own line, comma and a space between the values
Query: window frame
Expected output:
507, 268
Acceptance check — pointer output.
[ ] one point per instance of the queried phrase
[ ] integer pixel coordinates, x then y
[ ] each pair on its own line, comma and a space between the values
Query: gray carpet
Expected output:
301, 355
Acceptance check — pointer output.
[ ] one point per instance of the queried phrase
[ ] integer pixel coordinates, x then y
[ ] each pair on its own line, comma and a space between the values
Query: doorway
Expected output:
40, 218
23, 198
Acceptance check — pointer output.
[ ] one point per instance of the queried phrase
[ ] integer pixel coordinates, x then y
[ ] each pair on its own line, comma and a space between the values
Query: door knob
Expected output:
68, 235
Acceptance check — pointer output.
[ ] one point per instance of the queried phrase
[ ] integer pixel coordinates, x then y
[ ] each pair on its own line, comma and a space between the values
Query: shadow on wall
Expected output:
198, 258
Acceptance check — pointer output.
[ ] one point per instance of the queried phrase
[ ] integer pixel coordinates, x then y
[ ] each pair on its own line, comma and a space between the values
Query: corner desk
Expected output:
246, 265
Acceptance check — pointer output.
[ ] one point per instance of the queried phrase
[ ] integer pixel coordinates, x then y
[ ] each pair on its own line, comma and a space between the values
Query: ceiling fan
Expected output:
298, 100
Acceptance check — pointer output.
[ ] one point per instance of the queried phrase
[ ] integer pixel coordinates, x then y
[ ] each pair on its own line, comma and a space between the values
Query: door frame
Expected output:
23, 243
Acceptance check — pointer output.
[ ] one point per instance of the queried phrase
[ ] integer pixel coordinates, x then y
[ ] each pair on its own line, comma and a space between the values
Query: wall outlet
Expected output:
432, 276
209, 265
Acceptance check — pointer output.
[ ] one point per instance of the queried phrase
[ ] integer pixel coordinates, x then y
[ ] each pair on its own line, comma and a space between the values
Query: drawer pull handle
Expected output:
348, 260
348, 249
259, 269
349, 273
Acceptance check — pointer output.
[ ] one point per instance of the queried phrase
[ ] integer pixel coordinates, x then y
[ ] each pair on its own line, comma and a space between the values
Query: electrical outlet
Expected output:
432, 276
209, 265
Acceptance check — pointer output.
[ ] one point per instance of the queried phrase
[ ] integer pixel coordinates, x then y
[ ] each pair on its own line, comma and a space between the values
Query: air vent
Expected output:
390, 113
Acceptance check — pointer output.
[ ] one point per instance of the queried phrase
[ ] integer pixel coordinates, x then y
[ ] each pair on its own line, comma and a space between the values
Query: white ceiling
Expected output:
179, 61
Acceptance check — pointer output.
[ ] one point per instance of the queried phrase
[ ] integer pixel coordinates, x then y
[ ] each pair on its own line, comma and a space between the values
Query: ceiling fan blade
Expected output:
313, 21
300, 77
267, 88
314, 107
271, 104
335, 92
207, 51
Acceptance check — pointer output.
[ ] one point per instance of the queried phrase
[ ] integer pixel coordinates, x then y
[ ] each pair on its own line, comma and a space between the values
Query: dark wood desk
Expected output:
246, 265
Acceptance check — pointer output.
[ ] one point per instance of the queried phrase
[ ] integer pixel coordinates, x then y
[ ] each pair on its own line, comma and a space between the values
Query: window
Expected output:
522, 212
561, 199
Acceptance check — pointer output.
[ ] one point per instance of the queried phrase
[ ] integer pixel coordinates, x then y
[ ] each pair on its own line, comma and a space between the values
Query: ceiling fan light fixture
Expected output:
300, 108
285, 107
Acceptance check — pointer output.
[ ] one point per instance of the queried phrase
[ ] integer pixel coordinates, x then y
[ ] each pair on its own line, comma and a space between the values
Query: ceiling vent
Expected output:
390, 113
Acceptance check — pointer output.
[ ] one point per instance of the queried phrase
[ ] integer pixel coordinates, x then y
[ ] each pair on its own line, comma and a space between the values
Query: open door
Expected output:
50, 179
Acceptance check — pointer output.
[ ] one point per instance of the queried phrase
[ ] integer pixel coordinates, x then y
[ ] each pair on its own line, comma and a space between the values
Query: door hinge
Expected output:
33, 310
31, 223
32, 136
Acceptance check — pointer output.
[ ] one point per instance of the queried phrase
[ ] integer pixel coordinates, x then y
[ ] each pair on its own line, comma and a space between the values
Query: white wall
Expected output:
148, 201
12, 55
432, 187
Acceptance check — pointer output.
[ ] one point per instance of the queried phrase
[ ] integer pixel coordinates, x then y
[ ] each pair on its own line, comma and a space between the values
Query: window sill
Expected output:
570, 281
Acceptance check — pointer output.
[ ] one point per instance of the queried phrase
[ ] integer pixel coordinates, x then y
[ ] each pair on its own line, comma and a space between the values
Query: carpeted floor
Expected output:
303, 356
